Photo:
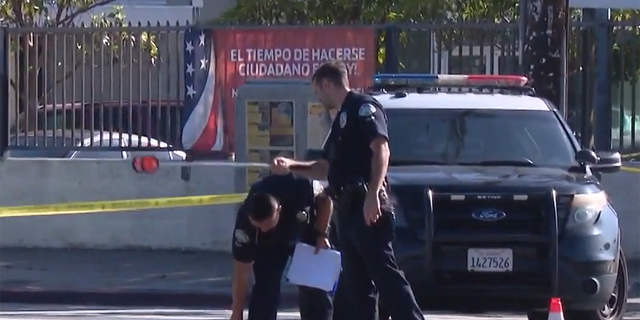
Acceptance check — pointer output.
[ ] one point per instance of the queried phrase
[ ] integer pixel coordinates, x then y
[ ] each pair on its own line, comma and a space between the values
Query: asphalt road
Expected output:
57, 312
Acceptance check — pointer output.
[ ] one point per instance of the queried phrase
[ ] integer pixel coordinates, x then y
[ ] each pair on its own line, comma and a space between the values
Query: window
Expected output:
471, 136
100, 154
57, 147
98, 141
508, 64
467, 64
97, 154
38, 140
161, 155
178, 156
38, 153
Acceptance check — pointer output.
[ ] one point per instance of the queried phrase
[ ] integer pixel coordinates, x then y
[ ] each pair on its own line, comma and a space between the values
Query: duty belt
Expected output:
349, 190
337, 193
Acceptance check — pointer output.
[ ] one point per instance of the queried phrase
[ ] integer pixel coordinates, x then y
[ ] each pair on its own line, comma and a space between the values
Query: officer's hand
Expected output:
371, 209
321, 244
280, 165
236, 316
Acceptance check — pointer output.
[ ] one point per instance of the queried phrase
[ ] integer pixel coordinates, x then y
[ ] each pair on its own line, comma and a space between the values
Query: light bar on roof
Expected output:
458, 80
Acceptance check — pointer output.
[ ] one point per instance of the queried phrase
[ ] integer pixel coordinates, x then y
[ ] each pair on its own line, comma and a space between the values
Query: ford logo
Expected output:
488, 215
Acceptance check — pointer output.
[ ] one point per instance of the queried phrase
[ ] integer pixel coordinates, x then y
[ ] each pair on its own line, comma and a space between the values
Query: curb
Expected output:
220, 299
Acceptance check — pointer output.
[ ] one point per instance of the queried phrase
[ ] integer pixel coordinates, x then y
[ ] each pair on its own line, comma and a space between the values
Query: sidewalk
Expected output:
119, 278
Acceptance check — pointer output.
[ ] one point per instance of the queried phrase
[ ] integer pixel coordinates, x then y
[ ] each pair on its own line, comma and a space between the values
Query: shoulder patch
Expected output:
343, 119
366, 110
240, 236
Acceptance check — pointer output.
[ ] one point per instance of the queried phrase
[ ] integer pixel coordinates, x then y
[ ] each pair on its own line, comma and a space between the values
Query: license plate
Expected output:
490, 260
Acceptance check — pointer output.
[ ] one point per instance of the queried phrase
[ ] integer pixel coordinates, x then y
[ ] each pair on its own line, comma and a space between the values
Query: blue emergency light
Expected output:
460, 80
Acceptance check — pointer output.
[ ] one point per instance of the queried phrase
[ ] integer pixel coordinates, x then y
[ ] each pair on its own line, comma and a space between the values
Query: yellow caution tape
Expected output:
119, 205
630, 155
631, 169
137, 204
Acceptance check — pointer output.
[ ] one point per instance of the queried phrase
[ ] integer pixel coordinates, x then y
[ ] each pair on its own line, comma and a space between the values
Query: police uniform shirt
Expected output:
360, 120
296, 198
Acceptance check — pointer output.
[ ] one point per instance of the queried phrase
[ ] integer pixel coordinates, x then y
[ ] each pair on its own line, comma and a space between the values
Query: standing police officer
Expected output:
279, 211
355, 161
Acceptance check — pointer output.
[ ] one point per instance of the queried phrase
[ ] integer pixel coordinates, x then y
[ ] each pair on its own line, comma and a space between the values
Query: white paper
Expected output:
320, 270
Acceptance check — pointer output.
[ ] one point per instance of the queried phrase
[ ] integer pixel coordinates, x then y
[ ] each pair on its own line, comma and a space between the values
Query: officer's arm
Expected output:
318, 169
243, 249
323, 208
373, 125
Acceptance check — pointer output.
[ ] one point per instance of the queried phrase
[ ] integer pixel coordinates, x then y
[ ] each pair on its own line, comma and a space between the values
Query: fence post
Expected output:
391, 61
522, 36
4, 91
545, 49
602, 98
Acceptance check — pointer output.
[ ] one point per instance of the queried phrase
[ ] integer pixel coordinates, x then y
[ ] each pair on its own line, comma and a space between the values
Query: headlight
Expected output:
585, 208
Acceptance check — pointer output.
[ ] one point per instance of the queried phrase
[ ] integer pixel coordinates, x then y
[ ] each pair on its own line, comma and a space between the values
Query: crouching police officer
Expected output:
355, 161
279, 211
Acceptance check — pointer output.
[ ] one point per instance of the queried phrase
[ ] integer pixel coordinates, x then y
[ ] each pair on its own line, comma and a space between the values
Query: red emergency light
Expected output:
146, 164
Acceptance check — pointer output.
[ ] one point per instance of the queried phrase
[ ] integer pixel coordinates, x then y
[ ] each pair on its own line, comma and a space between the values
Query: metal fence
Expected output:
78, 85
82, 86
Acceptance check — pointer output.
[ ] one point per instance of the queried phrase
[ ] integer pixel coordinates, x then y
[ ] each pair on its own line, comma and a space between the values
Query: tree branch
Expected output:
66, 75
60, 9
71, 17
17, 12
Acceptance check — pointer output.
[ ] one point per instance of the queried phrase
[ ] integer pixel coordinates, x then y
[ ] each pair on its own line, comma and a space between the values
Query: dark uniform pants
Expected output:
368, 262
268, 269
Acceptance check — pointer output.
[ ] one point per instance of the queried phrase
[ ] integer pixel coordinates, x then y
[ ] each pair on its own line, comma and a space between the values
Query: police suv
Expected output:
495, 198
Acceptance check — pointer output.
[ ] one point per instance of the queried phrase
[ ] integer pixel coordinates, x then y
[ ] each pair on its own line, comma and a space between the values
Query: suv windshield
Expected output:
479, 137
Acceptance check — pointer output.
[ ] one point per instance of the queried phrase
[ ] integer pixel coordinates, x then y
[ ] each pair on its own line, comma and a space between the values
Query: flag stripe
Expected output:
202, 129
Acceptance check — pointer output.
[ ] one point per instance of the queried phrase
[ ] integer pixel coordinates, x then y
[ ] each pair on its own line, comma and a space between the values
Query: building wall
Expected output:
147, 11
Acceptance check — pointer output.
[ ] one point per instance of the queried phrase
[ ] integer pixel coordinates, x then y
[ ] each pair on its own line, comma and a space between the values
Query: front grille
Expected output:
563, 205
528, 228
525, 214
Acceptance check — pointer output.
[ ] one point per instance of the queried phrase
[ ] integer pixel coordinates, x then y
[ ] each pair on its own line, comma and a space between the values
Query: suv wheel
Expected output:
613, 310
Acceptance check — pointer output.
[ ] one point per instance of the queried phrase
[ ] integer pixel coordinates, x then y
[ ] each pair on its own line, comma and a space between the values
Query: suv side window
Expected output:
97, 154
88, 153
161, 155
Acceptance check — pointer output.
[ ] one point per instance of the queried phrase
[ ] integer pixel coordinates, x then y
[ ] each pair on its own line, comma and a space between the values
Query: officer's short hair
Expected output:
333, 71
261, 206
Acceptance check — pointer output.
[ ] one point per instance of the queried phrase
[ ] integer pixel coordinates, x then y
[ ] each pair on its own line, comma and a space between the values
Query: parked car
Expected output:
158, 119
74, 145
495, 201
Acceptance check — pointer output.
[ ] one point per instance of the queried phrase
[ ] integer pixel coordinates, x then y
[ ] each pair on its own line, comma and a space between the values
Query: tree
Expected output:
453, 23
33, 21
344, 12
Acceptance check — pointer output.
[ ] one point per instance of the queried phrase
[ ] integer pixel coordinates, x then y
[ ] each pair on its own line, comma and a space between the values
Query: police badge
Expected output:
343, 119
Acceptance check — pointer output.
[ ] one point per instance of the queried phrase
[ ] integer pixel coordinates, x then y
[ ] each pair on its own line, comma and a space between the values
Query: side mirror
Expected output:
587, 157
608, 162
313, 154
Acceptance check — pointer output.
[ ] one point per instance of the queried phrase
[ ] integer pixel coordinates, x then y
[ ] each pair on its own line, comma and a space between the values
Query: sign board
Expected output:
275, 117
270, 132
219, 61
602, 4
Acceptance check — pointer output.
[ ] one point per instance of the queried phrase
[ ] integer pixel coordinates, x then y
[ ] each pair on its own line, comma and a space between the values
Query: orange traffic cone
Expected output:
555, 309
